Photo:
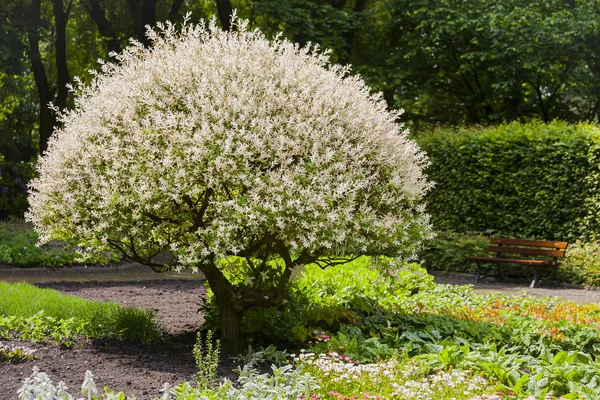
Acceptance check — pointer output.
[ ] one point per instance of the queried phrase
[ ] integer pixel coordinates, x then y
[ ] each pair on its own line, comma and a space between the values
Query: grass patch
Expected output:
35, 312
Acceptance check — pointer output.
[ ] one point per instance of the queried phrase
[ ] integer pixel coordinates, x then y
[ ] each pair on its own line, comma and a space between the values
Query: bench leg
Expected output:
478, 272
499, 276
536, 277
555, 277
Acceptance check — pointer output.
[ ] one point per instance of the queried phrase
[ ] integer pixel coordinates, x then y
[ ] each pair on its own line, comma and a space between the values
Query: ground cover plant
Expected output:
234, 146
401, 321
33, 314
405, 337
18, 248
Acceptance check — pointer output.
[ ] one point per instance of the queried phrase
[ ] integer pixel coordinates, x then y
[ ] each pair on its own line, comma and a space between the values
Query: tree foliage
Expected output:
446, 62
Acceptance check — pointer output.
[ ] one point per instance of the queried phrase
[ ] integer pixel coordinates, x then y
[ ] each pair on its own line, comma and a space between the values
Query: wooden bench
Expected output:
502, 246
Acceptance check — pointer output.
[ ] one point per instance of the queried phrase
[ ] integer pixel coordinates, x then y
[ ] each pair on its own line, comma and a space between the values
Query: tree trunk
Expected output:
104, 26
231, 322
39, 74
224, 10
62, 69
174, 12
148, 18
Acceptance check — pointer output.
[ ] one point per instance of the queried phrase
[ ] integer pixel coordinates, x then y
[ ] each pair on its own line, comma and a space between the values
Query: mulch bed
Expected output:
139, 370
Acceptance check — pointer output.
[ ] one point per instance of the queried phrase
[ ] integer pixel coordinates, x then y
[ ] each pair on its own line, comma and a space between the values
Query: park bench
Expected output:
551, 250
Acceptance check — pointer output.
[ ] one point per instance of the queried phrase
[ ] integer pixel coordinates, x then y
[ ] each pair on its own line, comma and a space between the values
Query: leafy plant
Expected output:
207, 354
13, 354
269, 356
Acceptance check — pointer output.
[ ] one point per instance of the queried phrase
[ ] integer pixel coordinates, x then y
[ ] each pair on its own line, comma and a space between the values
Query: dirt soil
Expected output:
141, 370
137, 369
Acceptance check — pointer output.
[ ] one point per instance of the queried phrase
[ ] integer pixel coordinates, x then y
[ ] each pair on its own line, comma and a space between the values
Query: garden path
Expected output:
575, 293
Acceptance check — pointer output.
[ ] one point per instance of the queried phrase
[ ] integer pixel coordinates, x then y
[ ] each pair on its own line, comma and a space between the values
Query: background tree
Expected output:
244, 159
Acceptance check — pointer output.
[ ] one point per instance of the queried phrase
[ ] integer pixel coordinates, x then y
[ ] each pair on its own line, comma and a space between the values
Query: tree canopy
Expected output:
445, 62
241, 157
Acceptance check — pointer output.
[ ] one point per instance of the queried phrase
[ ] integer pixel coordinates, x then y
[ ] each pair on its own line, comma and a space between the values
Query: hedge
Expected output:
530, 180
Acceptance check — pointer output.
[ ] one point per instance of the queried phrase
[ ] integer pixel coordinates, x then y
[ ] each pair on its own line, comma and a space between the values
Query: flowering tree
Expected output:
241, 157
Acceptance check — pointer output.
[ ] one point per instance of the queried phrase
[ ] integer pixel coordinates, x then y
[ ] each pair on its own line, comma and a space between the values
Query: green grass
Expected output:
97, 319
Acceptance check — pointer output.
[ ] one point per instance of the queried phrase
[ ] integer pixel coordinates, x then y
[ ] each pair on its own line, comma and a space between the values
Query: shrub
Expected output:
529, 180
212, 144
581, 264
18, 247
448, 251
13, 188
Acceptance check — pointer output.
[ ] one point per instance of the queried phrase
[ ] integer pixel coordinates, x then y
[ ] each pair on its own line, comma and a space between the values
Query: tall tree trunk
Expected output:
62, 70
346, 54
148, 18
41, 79
224, 10
174, 11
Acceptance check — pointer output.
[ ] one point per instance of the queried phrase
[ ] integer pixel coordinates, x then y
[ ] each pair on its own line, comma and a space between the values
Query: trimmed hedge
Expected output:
529, 180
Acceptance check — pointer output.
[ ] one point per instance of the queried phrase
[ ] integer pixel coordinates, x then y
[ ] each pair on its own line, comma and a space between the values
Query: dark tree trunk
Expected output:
174, 11
148, 18
224, 10
41, 79
231, 322
62, 70
346, 54
104, 26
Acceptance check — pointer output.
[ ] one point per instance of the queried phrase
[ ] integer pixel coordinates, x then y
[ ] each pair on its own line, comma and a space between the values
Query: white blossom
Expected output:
278, 141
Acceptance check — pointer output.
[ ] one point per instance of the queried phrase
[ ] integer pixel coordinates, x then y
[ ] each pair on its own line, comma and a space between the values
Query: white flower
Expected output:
210, 143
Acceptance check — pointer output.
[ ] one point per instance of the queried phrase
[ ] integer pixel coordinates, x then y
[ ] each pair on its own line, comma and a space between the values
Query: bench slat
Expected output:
533, 243
541, 263
526, 251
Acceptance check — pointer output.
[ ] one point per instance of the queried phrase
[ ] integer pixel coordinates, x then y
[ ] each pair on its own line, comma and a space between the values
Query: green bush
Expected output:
13, 188
327, 299
18, 248
448, 251
581, 264
529, 180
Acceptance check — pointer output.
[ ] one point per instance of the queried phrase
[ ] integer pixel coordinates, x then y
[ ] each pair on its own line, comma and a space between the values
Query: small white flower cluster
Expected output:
402, 378
426, 387
341, 369
212, 143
